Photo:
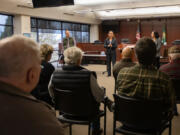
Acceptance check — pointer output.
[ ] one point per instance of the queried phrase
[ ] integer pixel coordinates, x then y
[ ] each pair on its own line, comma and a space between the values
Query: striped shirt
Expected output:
145, 82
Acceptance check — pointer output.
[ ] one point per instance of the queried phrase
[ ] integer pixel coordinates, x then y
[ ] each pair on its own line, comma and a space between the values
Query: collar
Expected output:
176, 61
72, 67
126, 60
12, 90
145, 66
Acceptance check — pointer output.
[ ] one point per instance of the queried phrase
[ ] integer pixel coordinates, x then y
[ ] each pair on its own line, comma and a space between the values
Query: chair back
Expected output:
176, 85
73, 95
138, 114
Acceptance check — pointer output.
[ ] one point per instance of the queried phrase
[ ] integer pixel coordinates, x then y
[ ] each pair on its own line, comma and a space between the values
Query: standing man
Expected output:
110, 44
68, 41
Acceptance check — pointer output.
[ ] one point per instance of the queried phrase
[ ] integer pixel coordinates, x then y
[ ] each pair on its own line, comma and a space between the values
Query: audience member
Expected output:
173, 68
143, 80
41, 91
126, 61
158, 43
21, 113
73, 57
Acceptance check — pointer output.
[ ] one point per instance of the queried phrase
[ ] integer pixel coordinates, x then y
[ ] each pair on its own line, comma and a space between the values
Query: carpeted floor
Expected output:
108, 83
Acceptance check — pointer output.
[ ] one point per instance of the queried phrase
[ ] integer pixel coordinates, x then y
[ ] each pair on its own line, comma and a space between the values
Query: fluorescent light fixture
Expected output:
96, 2
139, 11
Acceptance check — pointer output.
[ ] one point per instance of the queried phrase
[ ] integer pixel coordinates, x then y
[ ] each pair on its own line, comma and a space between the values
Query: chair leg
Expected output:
70, 129
89, 129
105, 120
114, 124
170, 127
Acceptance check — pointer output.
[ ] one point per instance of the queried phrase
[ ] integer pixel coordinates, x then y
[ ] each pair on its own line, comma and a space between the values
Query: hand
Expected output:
110, 45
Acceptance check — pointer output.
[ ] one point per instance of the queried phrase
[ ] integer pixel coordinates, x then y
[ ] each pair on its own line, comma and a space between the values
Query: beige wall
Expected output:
11, 7
22, 17
94, 32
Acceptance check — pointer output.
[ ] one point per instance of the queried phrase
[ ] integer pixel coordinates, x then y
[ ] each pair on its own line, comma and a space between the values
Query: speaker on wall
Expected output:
51, 3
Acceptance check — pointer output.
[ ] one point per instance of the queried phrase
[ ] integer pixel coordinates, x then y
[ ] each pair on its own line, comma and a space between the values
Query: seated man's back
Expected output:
143, 81
22, 114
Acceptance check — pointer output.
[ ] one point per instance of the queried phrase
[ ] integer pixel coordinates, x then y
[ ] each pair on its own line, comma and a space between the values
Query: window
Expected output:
53, 32
6, 26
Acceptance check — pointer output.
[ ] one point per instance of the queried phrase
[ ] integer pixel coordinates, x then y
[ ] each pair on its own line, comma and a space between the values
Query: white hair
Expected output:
72, 55
17, 53
174, 56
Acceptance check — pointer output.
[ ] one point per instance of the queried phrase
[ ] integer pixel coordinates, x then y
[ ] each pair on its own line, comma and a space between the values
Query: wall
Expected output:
22, 24
128, 28
11, 7
94, 33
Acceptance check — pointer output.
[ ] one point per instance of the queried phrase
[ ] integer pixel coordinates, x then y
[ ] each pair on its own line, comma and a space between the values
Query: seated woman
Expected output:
41, 91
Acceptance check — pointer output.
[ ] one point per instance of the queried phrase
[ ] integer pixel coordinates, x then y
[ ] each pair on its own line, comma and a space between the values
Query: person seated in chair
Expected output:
144, 81
41, 91
126, 61
73, 57
173, 67
21, 113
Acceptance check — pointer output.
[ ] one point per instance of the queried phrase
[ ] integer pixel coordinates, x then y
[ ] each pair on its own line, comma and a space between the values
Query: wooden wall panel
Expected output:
146, 28
127, 29
173, 30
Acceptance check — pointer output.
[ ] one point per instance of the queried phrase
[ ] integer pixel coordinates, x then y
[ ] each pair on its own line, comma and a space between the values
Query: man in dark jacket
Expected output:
21, 113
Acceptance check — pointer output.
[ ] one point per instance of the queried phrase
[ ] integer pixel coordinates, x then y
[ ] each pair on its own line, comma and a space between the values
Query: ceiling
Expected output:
116, 9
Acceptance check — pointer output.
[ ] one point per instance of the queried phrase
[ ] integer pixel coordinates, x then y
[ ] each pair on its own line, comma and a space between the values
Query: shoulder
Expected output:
128, 69
164, 67
48, 65
163, 77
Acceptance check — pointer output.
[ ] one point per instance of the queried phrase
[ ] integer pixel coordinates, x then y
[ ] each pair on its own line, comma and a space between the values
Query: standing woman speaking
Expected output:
110, 44
157, 40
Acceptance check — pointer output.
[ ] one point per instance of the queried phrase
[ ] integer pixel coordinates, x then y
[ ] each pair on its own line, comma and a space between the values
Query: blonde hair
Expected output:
16, 54
45, 51
72, 55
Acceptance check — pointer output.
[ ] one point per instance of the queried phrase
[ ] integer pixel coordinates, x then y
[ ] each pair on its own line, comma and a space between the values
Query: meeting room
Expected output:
90, 67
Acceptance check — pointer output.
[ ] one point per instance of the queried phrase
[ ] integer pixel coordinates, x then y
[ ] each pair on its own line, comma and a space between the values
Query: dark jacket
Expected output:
22, 114
72, 77
41, 91
158, 47
126, 62
112, 49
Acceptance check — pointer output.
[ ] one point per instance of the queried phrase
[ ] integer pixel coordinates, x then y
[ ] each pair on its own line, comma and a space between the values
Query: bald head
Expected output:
127, 52
67, 33
18, 55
